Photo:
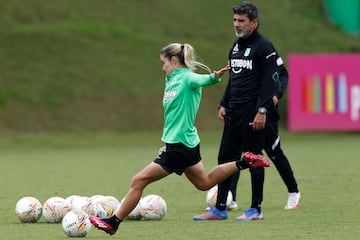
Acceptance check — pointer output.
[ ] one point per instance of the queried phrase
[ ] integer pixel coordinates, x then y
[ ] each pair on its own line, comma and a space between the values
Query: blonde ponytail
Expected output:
186, 55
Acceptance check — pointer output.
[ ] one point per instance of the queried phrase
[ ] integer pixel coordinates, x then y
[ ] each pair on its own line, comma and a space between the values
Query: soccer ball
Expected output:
76, 224
84, 204
28, 210
54, 209
112, 200
211, 197
135, 214
152, 207
106, 206
70, 199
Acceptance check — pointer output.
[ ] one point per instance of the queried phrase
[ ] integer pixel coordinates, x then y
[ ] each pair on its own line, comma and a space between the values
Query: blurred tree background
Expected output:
93, 65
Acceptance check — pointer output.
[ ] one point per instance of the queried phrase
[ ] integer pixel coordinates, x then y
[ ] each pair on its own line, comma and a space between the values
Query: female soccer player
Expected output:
181, 153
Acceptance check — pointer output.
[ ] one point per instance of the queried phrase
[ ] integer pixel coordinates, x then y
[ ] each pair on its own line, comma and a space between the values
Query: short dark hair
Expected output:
247, 8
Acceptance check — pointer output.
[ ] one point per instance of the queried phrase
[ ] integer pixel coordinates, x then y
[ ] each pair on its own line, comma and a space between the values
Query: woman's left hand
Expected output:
221, 72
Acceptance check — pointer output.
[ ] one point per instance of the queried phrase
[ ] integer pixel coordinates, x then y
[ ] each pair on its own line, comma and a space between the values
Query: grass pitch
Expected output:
326, 167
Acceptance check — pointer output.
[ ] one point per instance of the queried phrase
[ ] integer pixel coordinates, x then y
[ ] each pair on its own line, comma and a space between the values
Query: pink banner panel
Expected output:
324, 92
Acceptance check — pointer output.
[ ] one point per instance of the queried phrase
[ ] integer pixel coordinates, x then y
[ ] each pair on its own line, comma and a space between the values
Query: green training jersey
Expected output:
182, 96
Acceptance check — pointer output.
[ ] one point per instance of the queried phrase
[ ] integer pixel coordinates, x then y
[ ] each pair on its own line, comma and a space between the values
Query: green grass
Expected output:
67, 64
326, 167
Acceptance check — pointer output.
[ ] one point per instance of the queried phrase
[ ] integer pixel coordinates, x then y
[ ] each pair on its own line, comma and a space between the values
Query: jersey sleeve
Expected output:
202, 80
283, 80
270, 73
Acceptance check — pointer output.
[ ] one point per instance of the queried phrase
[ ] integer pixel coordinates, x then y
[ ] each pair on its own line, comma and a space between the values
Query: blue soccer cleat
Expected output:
212, 214
251, 214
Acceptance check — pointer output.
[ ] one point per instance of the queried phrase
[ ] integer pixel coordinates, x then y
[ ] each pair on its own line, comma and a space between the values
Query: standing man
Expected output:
273, 147
274, 151
253, 81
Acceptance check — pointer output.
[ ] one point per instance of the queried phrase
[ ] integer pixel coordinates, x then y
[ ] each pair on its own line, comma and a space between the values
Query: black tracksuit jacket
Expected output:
256, 68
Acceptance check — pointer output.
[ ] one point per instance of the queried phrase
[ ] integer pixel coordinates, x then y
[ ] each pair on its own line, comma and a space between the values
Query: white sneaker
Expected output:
233, 206
293, 201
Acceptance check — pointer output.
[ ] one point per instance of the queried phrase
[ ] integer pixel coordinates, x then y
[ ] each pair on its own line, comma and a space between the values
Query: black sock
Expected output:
113, 221
241, 164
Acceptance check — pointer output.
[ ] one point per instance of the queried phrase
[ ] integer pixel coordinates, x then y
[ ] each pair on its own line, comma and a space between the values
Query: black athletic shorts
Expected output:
178, 157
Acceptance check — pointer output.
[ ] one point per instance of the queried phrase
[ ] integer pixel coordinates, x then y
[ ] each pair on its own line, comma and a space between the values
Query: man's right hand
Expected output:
221, 113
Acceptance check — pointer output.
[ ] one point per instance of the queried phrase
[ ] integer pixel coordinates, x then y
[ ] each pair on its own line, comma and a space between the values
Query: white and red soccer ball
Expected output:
135, 214
54, 209
152, 207
28, 210
76, 223
211, 197
106, 206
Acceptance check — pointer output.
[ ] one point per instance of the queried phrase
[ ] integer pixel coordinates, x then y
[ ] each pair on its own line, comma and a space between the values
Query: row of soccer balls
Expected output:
73, 212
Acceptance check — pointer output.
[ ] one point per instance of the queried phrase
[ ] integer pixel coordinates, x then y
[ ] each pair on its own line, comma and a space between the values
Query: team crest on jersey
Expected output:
169, 95
247, 52
235, 49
